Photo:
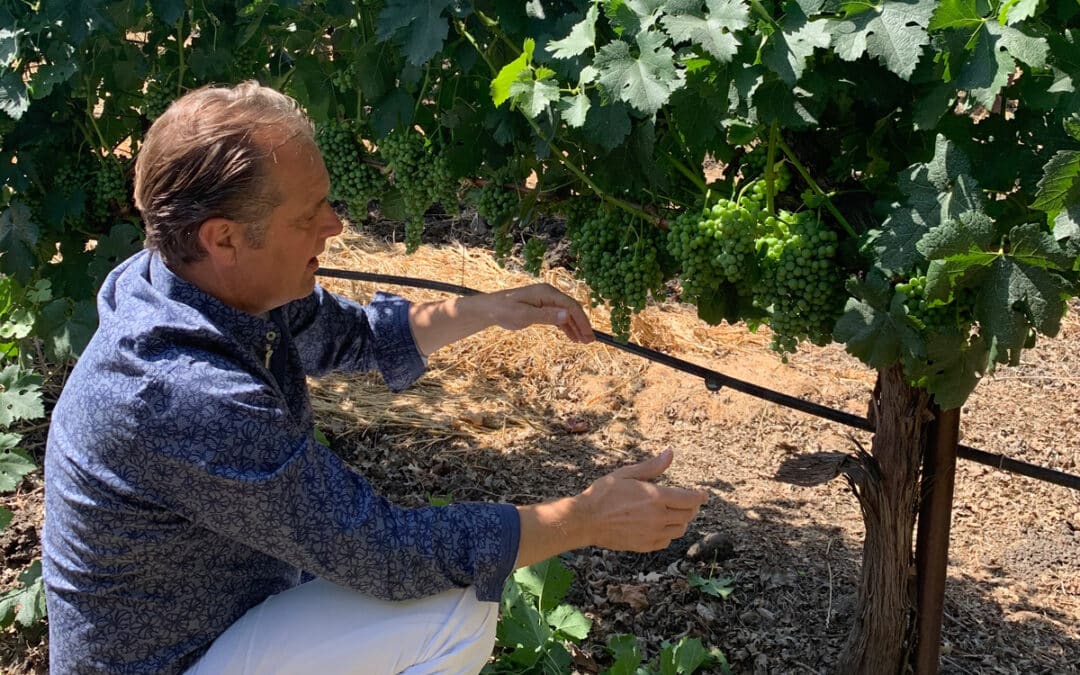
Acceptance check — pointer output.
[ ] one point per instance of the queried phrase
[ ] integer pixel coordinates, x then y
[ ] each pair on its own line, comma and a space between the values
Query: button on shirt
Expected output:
184, 485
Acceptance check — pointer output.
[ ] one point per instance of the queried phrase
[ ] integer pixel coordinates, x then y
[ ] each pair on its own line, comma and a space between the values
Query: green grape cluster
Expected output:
157, 98
535, 249
812, 199
753, 167
618, 257
953, 317
71, 182
344, 79
800, 284
7, 125
110, 193
250, 59
495, 203
352, 180
422, 176
713, 247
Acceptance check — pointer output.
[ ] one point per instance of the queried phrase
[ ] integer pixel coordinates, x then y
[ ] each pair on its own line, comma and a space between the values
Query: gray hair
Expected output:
205, 157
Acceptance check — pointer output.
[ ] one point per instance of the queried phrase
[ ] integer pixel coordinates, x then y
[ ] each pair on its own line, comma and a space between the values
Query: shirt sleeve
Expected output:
224, 459
334, 333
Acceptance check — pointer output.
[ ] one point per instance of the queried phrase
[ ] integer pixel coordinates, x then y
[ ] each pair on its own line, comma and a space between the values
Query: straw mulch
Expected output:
498, 381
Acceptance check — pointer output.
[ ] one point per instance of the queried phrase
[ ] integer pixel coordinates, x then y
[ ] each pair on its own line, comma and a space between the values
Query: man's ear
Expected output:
219, 238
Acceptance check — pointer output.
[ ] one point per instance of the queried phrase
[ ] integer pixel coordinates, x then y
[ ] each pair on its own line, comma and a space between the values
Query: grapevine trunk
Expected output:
888, 492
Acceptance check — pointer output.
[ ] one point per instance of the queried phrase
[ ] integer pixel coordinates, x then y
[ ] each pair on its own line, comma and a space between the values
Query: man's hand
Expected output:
519, 308
622, 511
437, 324
630, 513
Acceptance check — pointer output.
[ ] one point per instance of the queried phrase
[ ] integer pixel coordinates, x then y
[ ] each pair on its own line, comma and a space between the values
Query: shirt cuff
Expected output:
489, 583
397, 354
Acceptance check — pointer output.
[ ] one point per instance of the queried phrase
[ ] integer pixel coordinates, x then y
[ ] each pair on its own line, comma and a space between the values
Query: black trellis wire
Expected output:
715, 381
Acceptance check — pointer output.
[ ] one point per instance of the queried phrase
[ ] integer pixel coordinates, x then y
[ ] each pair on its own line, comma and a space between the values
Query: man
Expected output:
185, 491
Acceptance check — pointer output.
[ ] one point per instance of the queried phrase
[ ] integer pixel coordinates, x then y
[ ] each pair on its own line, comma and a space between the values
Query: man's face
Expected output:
282, 268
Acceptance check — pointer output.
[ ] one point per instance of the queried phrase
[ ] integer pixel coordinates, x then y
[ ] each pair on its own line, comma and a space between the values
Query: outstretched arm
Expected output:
437, 324
622, 511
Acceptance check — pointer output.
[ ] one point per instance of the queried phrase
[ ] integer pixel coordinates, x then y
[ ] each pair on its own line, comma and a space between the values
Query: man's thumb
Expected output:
650, 468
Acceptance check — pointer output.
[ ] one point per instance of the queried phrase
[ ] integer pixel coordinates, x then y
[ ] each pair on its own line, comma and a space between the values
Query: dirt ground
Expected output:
524, 417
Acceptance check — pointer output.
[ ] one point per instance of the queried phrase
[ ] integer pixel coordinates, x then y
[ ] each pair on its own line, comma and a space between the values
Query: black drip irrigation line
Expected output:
715, 381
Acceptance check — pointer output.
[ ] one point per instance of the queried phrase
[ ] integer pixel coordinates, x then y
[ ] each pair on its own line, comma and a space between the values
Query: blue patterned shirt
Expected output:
184, 485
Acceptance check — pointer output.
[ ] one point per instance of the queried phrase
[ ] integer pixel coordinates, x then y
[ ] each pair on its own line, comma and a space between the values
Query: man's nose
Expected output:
331, 225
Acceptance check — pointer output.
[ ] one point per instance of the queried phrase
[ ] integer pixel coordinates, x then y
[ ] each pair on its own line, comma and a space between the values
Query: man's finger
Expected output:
683, 499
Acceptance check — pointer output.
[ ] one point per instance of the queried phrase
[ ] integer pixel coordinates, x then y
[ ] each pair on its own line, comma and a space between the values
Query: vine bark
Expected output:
887, 487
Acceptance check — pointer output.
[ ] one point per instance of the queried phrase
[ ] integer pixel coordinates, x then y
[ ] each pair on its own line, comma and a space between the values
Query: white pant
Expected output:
324, 629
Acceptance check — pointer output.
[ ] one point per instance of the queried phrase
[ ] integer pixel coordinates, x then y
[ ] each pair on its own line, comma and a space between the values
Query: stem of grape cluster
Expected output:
770, 170
764, 13
685, 170
816, 188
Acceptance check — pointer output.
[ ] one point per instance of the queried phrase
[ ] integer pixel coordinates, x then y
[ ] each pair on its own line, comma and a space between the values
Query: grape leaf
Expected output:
631, 17
511, 73
9, 441
1015, 11
548, 580
608, 125
393, 111
575, 109
169, 11
26, 602
533, 95
14, 99
718, 587
1014, 288
959, 14
417, 26
893, 32
689, 655
19, 395
897, 244
878, 338
645, 82
973, 230
775, 101
952, 368
937, 191
1059, 176
5, 518
66, 326
123, 240
624, 648
581, 38
1031, 245
994, 51
786, 50
521, 628
714, 29
569, 621
14, 466
9, 46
